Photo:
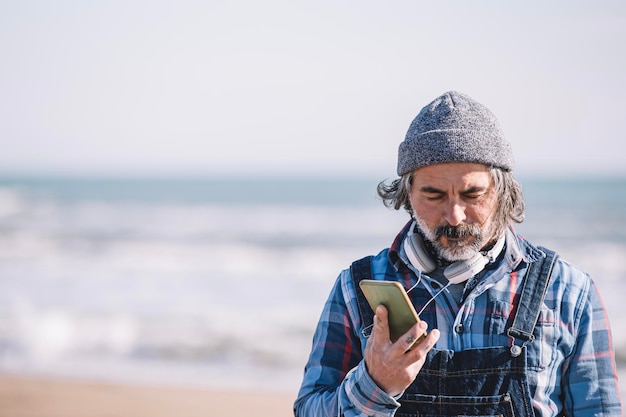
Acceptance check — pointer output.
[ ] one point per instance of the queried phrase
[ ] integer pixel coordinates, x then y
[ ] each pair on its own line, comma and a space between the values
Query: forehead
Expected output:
453, 174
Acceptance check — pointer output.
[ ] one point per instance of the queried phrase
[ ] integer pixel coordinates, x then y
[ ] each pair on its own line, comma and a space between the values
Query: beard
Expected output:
454, 243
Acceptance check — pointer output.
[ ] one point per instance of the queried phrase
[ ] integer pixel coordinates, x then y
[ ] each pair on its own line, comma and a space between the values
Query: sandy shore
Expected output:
22, 396
40, 397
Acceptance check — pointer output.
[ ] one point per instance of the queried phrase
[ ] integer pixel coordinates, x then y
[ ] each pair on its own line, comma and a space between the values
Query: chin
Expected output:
457, 252
454, 256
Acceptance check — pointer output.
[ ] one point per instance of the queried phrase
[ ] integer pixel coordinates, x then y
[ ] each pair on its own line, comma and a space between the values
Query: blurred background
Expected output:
182, 182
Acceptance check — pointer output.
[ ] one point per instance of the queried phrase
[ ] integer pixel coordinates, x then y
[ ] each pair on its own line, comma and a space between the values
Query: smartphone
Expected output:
391, 294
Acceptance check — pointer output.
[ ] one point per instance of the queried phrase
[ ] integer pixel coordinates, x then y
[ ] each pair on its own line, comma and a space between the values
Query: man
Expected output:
513, 329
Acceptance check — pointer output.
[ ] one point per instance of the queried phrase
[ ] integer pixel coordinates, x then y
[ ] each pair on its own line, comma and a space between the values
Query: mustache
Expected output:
461, 231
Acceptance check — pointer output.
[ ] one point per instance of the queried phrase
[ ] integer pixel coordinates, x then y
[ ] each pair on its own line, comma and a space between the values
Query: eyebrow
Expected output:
432, 190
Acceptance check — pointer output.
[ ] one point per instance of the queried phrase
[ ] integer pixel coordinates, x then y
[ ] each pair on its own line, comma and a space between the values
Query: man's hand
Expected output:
390, 365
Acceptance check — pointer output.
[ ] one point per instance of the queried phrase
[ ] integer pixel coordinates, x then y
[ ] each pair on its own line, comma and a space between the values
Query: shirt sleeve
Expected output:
590, 375
336, 381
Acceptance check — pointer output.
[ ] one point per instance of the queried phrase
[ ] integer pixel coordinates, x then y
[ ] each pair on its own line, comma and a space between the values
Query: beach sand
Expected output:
22, 396
41, 397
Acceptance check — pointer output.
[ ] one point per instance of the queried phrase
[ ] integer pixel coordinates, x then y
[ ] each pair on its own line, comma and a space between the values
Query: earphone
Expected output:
455, 273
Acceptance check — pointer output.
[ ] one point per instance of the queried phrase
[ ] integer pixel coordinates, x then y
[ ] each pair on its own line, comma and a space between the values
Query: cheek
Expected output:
428, 213
481, 213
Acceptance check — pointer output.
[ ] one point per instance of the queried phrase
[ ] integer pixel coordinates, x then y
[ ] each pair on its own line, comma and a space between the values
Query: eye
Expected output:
434, 197
473, 195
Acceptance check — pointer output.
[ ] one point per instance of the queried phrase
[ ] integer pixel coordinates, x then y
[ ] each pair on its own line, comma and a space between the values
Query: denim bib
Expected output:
489, 381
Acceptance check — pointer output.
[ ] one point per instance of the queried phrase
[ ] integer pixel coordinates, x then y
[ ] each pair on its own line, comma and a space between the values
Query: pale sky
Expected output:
301, 87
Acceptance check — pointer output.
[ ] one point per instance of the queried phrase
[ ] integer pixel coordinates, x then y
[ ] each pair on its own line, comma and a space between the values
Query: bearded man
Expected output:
513, 330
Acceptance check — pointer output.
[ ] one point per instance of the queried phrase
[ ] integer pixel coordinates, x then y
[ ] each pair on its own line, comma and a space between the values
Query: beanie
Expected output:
454, 128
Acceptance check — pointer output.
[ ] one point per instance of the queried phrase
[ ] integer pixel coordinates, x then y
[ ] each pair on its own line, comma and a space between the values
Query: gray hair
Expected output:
510, 206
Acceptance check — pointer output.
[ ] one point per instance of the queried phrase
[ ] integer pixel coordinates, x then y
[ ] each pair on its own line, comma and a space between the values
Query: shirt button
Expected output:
459, 328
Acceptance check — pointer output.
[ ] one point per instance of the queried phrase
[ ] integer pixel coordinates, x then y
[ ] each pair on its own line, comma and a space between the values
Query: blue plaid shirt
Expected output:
571, 366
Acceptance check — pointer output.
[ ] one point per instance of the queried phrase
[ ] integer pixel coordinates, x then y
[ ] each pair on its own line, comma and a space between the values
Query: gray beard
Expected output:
457, 251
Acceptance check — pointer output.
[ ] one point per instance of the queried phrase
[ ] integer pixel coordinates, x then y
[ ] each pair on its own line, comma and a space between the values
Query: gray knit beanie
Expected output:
454, 128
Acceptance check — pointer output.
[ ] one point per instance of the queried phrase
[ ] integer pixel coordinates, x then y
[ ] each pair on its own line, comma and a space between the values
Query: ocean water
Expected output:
219, 282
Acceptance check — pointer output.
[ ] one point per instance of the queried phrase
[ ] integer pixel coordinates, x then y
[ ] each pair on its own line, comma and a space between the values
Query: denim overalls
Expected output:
475, 382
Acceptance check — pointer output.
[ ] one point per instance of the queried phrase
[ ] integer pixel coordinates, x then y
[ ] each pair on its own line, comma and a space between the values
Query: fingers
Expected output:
415, 340
381, 324
419, 351
381, 332
393, 366
414, 334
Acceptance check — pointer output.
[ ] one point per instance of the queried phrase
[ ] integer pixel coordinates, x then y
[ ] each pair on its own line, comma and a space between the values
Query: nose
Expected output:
455, 213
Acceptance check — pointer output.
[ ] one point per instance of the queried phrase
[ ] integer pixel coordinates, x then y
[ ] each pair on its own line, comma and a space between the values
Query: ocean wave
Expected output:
128, 283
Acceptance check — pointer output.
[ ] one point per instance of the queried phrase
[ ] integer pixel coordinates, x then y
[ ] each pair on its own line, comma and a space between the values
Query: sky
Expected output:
301, 88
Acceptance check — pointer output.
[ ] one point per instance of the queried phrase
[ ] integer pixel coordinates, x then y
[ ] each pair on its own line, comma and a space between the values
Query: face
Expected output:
453, 204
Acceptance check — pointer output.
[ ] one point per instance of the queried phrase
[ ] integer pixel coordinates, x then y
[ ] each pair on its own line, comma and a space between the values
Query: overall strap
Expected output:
360, 270
533, 292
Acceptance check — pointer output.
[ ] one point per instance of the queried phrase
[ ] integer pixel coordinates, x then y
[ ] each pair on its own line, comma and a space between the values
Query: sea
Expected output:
219, 282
